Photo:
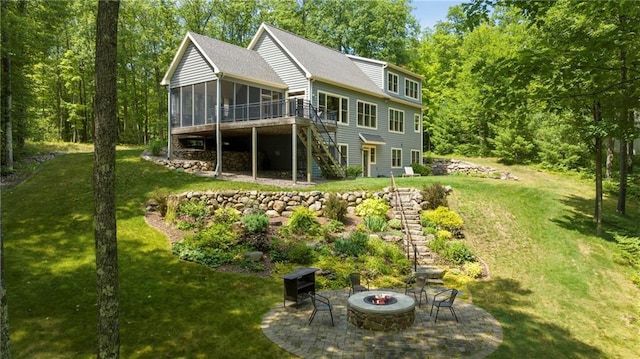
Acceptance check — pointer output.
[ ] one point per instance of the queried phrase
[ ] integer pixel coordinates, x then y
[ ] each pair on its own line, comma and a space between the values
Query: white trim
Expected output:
386, 82
396, 149
371, 148
403, 120
418, 117
419, 156
340, 97
346, 153
262, 29
406, 88
377, 116
386, 64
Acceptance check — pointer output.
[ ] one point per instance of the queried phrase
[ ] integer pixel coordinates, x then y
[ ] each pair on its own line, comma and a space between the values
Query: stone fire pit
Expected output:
381, 310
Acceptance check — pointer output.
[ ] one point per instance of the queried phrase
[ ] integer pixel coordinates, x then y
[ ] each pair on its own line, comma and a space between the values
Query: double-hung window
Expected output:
367, 114
396, 120
416, 122
415, 157
343, 157
392, 82
396, 157
411, 89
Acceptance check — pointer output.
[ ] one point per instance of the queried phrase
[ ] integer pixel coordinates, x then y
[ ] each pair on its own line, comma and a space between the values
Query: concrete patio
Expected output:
476, 335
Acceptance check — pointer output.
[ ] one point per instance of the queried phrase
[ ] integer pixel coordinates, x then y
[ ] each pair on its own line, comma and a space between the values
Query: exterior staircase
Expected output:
405, 206
323, 149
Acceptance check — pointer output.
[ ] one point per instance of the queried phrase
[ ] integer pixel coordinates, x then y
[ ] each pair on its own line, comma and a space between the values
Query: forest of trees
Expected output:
552, 82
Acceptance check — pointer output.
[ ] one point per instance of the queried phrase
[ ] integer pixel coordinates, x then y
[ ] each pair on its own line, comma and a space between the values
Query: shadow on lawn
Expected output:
525, 335
580, 218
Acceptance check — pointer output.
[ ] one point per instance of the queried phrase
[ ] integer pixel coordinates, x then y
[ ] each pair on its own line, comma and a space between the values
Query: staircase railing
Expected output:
405, 224
319, 123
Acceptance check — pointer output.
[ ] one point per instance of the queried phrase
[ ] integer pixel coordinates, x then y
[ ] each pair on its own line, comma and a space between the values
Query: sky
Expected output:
428, 12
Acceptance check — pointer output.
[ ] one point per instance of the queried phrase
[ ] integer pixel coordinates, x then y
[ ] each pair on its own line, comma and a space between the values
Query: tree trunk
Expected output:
104, 180
630, 156
597, 118
6, 95
4, 307
611, 142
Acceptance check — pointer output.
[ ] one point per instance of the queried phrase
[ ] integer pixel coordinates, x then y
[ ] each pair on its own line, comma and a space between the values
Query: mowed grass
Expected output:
555, 287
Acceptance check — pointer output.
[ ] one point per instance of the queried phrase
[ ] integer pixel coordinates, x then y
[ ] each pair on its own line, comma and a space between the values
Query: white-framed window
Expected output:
367, 114
343, 157
417, 122
333, 107
411, 88
416, 156
392, 82
396, 157
396, 120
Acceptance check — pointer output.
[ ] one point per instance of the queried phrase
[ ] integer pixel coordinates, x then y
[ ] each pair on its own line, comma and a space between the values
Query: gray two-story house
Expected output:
289, 104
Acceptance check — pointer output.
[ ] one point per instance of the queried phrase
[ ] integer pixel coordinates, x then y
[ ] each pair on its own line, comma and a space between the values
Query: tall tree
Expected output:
104, 179
4, 307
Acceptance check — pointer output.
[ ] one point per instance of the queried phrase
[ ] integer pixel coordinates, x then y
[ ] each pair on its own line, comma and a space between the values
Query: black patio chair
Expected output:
320, 304
355, 279
417, 289
446, 300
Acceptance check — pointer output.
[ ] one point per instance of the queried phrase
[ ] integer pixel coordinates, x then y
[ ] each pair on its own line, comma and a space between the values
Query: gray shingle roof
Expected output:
235, 60
324, 63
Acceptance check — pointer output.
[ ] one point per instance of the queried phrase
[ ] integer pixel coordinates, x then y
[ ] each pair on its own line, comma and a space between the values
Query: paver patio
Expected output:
476, 335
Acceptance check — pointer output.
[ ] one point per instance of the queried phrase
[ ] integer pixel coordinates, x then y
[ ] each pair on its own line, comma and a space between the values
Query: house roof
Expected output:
371, 139
386, 64
320, 62
227, 59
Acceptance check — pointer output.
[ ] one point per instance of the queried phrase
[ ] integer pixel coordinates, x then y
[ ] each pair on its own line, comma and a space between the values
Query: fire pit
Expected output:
381, 311
380, 299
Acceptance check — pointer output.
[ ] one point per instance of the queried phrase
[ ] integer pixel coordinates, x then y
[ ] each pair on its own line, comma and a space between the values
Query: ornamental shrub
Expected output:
421, 169
291, 251
373, 207
303, 221
218, 236
213, 257
446, 235
443, 218
375, 223
226, 215
472, 269
335, 208
255, 223
457, 252
335, 226
435, 196
394, 223
354, 246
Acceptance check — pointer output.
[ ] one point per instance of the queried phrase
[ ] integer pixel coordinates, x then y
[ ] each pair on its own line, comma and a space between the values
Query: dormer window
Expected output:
392, 82
411, 88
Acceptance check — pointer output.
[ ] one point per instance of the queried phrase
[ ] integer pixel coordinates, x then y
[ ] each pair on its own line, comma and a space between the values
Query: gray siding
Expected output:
281, 63
401, 86
193, 68
349, 133
372, 70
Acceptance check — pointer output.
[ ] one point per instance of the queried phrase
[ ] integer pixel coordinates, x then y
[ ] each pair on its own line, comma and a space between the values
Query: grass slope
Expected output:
554, 287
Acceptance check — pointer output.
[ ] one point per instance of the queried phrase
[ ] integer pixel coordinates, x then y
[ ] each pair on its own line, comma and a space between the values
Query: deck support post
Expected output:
294, 152
254, 153
309, 153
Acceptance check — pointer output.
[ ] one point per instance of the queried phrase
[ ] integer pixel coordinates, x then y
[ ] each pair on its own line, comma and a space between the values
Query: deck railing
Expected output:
291, 107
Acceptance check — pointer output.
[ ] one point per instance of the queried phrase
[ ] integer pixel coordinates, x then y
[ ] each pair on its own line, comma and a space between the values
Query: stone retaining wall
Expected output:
276, 204
443, 166
200, 161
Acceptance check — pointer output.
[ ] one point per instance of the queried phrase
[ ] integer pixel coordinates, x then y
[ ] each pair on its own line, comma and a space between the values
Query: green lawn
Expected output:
555, 288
